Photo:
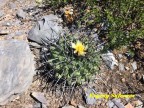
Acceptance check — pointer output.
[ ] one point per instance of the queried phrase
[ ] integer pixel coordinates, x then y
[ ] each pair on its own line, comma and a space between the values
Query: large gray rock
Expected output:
46, 29
16, 69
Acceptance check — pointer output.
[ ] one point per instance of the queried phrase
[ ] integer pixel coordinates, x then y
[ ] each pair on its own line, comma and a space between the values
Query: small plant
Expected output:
71, 59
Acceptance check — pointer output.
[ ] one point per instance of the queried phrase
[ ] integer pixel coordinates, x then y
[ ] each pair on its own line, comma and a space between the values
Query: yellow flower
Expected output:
79, 48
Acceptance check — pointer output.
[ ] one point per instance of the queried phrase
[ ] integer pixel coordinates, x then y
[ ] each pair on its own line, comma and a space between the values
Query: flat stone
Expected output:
115, 106
118, 103
35, 45
47, 29
16, 69
37, 105
120, 56
110, 104
134, 66
39, 97
121, 67
89, 100
1, 13
4, 32
21, 14
110, 60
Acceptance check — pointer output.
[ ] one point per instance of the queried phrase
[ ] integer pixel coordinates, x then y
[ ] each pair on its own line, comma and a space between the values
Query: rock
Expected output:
18, 33
1, 13
117, 103
16, 69
115, 106
89, 100
117, 100
7, 24
110, 104
43, 106
39, 97
21, 14
121, 67
47, 29
127, 68
110, 60
80, 106
138, 104
123, 80
37, 105
12, 5
129, 106
4, 32
68, 106
120, 56
134, 66
33, 44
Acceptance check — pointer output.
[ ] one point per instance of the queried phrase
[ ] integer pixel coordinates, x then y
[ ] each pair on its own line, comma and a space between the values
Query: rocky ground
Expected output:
122, 75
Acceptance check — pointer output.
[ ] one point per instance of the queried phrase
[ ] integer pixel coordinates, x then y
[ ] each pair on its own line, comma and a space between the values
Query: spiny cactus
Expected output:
71, 60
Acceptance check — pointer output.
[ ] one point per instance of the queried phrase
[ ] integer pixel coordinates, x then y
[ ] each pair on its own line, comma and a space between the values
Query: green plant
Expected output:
126, 19
67, 64
121, 22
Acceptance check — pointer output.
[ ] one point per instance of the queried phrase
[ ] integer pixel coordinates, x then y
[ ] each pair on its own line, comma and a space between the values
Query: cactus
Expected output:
71, 59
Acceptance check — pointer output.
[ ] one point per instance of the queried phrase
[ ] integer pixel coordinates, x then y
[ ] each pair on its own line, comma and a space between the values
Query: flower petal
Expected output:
73, 45
81, 53
78, 43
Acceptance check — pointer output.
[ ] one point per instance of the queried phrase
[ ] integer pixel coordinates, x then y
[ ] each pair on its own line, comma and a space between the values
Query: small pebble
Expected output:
21, 14
120, 56
89, 100
110, 104
7, 24
121, 67
118, 103
134, 66
1, 13
39, 97
127, 68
